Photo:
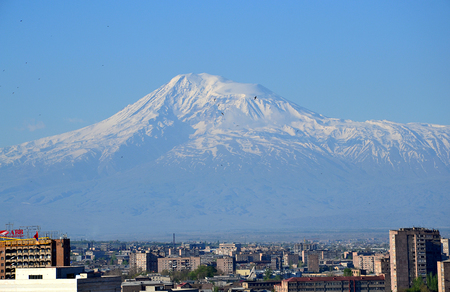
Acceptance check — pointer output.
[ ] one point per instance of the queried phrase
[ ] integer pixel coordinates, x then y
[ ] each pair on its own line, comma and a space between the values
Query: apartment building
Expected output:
228, 249
414, 252
144, 261
445, 248
226, 265
443, 276
332, 284
32, 253
178, 263
366, 261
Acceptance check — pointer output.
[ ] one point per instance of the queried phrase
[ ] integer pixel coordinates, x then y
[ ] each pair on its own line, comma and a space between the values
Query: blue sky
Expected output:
68, 64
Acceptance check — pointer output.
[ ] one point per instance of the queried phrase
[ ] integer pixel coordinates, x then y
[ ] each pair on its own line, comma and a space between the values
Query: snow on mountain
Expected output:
205, 141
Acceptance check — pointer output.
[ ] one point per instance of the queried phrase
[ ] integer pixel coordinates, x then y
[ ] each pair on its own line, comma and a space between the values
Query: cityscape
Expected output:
410, 260
224, 146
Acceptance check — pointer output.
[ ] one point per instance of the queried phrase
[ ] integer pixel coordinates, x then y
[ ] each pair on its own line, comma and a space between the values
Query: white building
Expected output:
61, 279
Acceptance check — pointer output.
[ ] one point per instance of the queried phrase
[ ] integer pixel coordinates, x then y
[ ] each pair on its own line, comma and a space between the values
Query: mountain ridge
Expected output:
202, 141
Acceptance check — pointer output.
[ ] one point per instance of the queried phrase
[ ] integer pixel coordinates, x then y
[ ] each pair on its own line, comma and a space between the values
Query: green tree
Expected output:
202, 272
348, 272
432, 282
267, 274
113, 259
418, 286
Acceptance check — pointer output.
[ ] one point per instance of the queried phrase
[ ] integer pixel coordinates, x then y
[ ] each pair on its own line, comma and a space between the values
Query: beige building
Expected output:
228, 249
226, 265
443, 276
178, 263
144, 261
414, 252
366, 261
382, 267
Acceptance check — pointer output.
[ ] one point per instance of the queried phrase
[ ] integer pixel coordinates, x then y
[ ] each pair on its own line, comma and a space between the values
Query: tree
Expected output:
267, 274
348, 272
418, 286
202, 272
113, 259
432, 282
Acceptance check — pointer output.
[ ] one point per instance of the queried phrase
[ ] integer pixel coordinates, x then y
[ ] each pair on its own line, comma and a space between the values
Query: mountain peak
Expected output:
211, 151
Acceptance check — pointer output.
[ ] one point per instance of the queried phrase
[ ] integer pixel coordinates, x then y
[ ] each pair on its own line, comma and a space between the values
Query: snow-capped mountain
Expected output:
203, 152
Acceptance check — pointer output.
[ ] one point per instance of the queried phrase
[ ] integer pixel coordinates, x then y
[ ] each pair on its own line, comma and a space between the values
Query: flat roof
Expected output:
329, 279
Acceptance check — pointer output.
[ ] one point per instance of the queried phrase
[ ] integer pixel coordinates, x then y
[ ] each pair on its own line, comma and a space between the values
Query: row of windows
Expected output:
34, 277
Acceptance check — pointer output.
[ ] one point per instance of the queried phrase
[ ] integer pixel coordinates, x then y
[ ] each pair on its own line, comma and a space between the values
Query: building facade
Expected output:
414, 252
31, 253
144, 261
178, 263
382, 267
229, 249
226, 265
443, 276
332, 284
366, 261
445, 248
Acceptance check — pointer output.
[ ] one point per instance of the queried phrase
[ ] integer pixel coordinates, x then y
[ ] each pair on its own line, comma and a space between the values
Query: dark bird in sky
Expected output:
255, 97
222, 114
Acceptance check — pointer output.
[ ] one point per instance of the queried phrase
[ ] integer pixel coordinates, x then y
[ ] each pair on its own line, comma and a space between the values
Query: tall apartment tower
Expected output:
144, 261
226, 264
414, 253
445, 247
444, 276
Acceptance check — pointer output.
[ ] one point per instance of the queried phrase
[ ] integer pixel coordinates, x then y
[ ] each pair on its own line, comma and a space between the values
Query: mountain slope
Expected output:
214, 152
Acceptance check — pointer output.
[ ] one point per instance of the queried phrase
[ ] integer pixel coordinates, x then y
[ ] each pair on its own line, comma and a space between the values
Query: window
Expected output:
34, 277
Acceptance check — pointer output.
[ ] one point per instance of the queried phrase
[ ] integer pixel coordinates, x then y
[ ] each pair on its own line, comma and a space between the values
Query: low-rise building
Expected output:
332, 284
259, 285
62, 279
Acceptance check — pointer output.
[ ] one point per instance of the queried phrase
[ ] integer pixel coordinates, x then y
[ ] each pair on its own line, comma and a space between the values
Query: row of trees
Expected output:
197, 274
419, 286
